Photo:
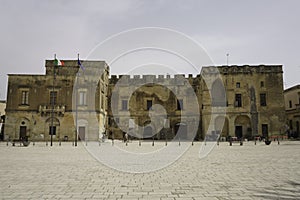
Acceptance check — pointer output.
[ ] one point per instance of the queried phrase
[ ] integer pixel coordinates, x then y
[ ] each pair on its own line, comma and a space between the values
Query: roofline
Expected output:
292, 88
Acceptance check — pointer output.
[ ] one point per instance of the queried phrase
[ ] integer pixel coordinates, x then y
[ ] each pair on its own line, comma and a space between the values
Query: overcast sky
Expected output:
252, 32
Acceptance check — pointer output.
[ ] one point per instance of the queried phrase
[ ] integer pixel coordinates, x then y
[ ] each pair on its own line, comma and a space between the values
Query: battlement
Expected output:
244, 69
150, 78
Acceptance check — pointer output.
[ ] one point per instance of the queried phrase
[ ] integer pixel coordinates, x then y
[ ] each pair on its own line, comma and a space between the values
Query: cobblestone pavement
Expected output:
228, 172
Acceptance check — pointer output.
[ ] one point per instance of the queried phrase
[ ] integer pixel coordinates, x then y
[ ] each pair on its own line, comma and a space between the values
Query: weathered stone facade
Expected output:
157, 105
35, 103
254, 100
292, 107
241, 101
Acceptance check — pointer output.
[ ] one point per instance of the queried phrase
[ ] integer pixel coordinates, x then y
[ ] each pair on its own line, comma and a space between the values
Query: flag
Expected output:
58, 62
80, 65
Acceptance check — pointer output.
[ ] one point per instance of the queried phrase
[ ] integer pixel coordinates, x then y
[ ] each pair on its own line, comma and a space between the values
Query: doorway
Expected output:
239, 131
264, 130
23, 130
81, 135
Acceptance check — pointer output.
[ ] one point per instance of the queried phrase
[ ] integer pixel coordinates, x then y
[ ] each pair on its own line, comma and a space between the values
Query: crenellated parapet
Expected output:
177, 79
242, 69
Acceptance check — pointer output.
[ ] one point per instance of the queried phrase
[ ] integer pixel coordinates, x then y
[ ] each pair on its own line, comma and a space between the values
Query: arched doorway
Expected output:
181, 130
242, 126
24, 130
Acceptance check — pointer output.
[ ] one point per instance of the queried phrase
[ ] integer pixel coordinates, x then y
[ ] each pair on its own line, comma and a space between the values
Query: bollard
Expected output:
152, 141
193, 143
166, 143
178, 141
59, 143
218, 142
140, 143
7, 143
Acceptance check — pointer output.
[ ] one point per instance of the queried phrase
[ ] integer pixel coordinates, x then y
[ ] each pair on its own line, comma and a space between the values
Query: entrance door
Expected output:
81, 135
22, 132
264, 130
239, 131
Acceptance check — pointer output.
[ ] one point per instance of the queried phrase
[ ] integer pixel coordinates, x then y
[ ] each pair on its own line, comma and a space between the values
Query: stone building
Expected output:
254, 100
292, 107
39, 106
153, 106
239, 101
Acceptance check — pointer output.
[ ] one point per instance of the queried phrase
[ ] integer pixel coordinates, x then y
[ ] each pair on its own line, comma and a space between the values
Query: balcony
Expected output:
45, 110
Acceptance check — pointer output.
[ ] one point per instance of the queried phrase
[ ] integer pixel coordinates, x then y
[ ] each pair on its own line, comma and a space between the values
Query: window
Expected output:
238, 84
82, 98
124, 104
218, 94
149, 104
290, 103
238, 100
53, 97
262, 84
180, 104
25, 95
52, 130
263, 101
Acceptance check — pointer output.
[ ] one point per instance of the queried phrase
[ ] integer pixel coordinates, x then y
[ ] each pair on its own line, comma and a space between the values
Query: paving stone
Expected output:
228, 172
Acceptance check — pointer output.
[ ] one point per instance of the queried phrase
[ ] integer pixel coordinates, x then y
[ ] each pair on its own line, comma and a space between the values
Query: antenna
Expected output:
227, 56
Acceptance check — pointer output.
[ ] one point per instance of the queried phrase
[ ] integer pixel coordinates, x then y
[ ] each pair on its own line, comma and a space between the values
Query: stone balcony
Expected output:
47, 110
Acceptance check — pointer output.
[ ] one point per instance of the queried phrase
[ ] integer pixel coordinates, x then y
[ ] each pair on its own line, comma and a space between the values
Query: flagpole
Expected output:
52, 102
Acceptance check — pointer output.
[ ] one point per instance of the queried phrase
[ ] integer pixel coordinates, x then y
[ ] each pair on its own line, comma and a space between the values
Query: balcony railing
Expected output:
47, 109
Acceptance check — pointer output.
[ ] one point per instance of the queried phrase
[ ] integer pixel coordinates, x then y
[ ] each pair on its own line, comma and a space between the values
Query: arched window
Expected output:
218, 94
